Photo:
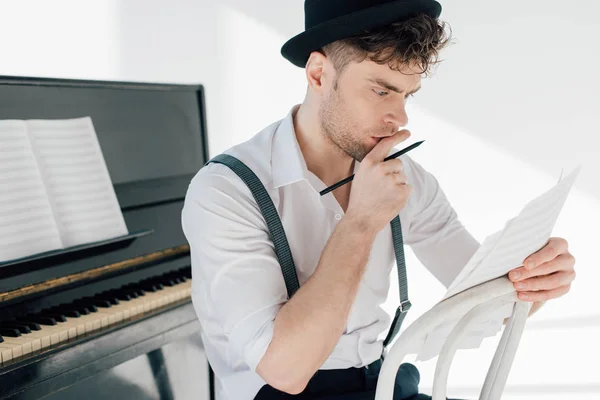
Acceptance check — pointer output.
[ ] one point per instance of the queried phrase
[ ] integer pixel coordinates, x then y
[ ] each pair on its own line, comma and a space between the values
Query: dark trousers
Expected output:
352, 384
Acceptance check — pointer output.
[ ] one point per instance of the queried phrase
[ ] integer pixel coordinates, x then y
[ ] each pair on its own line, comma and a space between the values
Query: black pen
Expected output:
350, 178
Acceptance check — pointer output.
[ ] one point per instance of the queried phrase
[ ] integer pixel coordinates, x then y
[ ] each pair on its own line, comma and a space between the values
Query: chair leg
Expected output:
159, 371
497, 375
453, 342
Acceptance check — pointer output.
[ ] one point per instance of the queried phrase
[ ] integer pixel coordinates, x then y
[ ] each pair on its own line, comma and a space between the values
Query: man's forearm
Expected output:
310, 324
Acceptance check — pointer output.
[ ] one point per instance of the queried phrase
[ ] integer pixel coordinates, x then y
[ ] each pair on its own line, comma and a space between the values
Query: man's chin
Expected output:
363, 154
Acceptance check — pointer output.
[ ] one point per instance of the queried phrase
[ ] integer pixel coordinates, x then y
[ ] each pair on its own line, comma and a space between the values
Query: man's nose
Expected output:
397, 118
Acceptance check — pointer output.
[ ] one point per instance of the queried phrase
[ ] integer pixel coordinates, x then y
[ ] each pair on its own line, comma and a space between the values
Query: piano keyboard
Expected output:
54, 326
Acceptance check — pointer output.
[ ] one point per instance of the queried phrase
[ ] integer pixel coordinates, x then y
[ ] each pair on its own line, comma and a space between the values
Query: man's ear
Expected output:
317, 71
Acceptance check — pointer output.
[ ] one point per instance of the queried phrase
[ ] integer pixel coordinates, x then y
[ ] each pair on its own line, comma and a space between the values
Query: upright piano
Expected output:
111, 319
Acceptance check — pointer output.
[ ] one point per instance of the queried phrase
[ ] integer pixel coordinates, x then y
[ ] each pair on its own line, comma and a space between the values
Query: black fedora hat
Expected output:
326, 21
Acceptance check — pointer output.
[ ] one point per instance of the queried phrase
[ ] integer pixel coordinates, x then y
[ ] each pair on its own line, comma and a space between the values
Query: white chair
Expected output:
466, 307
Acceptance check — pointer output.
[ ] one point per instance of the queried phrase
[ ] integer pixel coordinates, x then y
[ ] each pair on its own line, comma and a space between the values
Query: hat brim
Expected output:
297, 50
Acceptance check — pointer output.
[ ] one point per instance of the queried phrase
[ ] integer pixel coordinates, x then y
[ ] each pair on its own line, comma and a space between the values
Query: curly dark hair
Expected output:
415, 41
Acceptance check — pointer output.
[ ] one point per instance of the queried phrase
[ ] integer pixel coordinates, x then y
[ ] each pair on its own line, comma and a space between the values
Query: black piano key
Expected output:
102, 303
168, 282
125, 296
88, 305
57, 316
110, 298
73, 313
38, 319
113, 299
34, 326
122, 293
148, 286
24, 329
10, 332
81, 310
135, 292
69, 312
97, 302
152, 287
149, 281
157, 283
138, 291
72, 307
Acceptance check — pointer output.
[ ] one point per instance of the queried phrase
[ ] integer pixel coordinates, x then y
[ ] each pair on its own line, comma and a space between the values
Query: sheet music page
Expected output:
522, 236
482, 252
500, 253
76, 177
27, 225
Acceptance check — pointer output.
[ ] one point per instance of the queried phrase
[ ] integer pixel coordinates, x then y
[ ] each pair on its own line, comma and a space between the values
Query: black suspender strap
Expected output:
282, 248
276, 232
405, 304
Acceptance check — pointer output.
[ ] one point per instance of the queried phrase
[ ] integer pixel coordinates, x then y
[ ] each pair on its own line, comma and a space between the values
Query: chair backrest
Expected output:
465, 307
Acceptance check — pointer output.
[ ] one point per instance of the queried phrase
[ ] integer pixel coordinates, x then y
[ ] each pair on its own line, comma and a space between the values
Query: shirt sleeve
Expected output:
234, 258
436, 235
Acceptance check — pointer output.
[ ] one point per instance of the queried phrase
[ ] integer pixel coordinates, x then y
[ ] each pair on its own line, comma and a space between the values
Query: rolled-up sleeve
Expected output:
234, 258
436, 235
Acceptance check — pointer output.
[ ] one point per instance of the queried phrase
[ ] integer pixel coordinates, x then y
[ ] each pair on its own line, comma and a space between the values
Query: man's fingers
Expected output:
550, 251
382, 149
518, 274
392, 166
546, 282
544, 295
521, 273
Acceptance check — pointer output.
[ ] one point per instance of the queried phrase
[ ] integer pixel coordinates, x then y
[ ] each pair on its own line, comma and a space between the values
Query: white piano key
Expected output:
28, 341
95, 322
10, 351
6, 353
23, 345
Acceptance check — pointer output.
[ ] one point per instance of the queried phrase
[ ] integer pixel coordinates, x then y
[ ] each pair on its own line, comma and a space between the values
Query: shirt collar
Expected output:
287, 161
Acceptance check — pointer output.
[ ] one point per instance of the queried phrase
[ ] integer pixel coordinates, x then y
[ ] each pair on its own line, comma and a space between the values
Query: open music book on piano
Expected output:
55, 189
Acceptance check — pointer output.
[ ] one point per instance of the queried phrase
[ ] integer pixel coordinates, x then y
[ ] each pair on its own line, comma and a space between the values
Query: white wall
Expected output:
513, 102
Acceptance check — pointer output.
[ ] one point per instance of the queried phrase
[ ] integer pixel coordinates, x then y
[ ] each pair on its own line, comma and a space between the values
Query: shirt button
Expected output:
338, 216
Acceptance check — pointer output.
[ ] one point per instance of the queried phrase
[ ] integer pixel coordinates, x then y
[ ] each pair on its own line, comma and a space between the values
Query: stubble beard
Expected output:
338, 130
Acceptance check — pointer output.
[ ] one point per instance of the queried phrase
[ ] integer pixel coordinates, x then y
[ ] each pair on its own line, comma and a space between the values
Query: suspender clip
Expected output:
404, 306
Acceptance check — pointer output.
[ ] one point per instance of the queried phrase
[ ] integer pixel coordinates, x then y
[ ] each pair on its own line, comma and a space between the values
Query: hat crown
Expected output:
319, 11
329, 20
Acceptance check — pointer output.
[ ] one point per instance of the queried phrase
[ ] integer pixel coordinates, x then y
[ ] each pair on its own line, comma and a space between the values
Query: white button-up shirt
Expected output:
238, 287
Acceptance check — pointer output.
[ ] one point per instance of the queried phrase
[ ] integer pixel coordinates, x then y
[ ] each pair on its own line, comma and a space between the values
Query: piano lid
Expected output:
153, 138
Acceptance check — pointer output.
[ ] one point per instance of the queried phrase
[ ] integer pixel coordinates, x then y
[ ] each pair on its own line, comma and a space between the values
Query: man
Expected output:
362, 61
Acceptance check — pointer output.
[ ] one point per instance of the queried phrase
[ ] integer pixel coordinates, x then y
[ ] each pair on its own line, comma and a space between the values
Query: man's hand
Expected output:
380, 189
546, 274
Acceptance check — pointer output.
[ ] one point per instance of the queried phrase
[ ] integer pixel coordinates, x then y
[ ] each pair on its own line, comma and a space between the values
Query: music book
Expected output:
55, 189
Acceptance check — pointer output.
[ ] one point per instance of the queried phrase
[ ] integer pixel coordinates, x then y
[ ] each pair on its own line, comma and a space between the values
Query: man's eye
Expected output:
381, 93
